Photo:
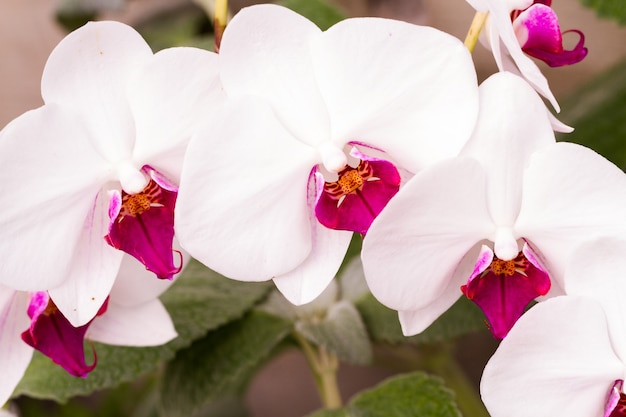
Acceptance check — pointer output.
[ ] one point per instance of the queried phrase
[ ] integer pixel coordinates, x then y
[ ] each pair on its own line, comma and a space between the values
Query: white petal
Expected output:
480, 5
169, 96
15, 354
416, 321
50, 177
303, 284
597, 269
483, 5
571, 195
557, 360
320, 305
416, 243
88, 72
242, 205
265, 51
148, 324
397, 87
510, 128
558, 125
500, 18
93, 269
136, 285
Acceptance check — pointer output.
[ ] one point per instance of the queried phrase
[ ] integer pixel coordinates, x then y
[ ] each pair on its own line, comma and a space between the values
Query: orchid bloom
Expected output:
319, 131
499, 220
539, 34
131, 316
96, 168
567, 355
531, 27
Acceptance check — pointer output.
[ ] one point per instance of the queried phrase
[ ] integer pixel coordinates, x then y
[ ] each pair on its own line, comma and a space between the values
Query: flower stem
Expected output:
324, 365
218, 11
219, 22
472, 34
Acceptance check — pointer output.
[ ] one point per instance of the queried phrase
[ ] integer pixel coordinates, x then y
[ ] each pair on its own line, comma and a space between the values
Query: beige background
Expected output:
284, 388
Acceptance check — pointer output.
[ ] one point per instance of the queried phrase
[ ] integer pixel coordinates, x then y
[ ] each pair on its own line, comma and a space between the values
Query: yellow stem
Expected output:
220, 21
328, 379
324, 365
472, 34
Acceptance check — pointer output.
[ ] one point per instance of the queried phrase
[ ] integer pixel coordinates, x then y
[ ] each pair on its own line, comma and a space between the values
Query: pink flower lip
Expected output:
503, 289
359, 194
53, 335
616, 401
142, 225
539, 33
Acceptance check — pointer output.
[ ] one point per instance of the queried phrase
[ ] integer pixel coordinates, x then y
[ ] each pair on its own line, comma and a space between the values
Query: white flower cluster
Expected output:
263, 160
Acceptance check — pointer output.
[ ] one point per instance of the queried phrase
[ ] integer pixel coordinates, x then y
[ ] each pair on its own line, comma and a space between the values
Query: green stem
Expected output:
324, 365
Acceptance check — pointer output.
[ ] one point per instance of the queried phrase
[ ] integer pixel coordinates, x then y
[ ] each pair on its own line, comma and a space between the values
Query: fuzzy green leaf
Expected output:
219, 364
342, 332
200, 300
409, 395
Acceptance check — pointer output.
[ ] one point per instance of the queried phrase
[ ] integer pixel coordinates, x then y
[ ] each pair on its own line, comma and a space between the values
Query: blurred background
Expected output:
29, 30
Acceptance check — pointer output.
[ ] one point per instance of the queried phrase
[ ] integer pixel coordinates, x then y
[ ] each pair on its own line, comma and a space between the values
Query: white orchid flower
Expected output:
517, 28
567, 355
501, 219
96, 168
320, 129
131, 316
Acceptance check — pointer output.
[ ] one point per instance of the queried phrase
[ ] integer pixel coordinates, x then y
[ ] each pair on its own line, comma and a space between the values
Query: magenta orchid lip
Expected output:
539, 33
142, 225
54, 336
359, 194
503, 289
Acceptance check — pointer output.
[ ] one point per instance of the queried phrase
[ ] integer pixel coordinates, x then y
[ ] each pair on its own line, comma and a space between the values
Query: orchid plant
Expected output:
393, 202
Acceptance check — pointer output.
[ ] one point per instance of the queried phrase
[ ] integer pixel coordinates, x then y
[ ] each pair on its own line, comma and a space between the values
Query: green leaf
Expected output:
597, 112
72, 14
200, 300
218, 364
203, 300
416, 394
342, 332
132, 399
383, 325
320, 12
409, 395
185, 25
615, 9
